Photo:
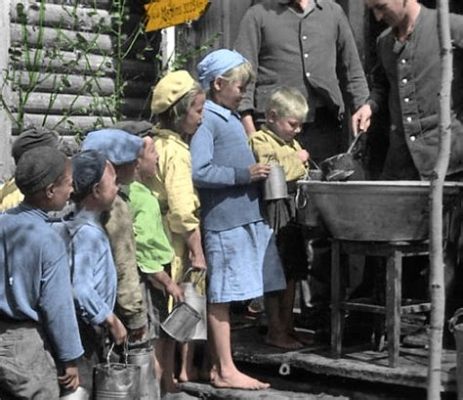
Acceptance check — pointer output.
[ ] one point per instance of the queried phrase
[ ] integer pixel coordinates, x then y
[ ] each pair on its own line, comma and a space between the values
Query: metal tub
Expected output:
376, 210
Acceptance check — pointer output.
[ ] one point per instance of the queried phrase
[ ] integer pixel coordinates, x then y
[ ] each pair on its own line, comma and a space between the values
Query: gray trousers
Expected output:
27, 369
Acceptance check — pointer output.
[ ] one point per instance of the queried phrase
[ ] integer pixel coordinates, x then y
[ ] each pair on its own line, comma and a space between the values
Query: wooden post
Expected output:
436, 279
6, 162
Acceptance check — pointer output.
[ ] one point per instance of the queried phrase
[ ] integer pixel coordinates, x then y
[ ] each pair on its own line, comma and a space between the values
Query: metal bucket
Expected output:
116, 381
457, 330
181, 322
306, 212
79, 394
198, 302
275, 185
143, 357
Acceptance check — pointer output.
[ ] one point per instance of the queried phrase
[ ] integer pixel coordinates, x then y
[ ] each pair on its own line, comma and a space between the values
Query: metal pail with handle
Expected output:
144, 358
116, 380
181, 322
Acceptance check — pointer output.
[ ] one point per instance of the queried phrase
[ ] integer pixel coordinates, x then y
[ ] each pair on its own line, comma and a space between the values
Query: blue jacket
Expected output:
35, 283
220, 157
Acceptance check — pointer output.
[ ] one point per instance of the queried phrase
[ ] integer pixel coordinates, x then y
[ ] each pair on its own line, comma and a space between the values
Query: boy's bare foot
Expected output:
283, 341
237, 380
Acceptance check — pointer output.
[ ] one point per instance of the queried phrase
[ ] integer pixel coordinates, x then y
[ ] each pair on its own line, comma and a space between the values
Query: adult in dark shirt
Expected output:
407, 81
307, 44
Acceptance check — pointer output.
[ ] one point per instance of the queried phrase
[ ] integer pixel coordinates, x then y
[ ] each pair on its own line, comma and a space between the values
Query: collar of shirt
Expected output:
171, 135
269, 132
312, 5
24, 207
91, 217
223, 112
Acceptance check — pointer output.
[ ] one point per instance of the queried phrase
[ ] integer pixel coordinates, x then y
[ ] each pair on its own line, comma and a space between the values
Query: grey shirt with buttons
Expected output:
313, 51
407, 80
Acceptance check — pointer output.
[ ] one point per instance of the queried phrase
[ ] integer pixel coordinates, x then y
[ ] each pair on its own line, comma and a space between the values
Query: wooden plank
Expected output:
336, 324
352, 365
64, 39
82, 64
71, 126
101, 4
64, 16
6, 162
46, 103
78, 84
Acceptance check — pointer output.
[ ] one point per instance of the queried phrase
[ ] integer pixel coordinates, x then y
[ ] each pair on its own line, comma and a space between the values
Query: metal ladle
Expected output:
340, 166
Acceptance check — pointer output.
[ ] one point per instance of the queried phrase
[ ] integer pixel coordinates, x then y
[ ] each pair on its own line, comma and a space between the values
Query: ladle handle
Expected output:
354, 142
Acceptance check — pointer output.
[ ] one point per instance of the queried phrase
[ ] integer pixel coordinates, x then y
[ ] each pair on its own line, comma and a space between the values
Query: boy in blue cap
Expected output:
239, 246
122, 150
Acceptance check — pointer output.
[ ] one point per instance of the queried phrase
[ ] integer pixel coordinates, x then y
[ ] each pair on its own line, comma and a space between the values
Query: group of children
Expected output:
189, 197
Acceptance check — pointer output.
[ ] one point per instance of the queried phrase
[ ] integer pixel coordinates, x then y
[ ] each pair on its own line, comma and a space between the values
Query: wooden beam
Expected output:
6, 162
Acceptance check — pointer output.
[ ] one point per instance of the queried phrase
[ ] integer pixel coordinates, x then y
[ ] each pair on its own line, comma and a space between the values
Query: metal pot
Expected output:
376, 210
143, 357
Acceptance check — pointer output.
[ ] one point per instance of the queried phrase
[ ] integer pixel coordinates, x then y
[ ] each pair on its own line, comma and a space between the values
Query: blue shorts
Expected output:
243, 263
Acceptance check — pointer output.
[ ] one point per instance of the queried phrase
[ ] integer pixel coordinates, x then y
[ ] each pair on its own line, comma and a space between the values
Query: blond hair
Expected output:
241, 73
287, 102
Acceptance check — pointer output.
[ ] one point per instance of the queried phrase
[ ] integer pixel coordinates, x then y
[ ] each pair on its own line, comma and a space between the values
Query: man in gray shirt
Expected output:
307, 44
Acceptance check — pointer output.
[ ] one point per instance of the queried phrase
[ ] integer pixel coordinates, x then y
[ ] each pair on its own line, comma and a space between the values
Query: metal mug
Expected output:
275, 185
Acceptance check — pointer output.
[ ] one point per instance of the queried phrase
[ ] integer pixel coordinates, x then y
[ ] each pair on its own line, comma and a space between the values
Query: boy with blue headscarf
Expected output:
238, 244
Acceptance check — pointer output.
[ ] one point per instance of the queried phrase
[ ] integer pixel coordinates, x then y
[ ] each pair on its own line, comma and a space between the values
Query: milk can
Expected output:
275, 185
143, 357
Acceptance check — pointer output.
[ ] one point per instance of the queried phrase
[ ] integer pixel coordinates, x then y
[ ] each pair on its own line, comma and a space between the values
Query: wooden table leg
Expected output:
335, 299
393, 303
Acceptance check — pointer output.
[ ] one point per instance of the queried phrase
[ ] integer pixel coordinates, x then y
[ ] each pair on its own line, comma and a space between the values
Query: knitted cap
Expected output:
87, 169
33, 137
118, 146
39, 167
171, 89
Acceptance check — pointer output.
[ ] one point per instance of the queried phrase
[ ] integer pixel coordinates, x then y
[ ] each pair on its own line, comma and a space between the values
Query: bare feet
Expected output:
283, 341
237, 380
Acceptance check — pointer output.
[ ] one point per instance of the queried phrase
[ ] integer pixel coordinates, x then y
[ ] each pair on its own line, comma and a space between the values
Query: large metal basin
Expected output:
376, 210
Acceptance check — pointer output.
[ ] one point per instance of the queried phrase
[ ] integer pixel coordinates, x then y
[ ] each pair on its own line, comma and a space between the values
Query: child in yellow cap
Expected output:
178, 102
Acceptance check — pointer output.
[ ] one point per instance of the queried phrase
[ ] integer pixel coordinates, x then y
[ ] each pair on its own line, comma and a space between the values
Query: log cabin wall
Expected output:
73, 65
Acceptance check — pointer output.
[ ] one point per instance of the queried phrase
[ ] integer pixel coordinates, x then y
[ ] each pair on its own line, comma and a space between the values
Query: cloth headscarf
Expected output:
33, 137
39, 167
118, 146
87, 170
216, 64
171, 89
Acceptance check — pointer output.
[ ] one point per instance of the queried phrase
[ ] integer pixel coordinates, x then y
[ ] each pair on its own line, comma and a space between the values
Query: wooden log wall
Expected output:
68, 55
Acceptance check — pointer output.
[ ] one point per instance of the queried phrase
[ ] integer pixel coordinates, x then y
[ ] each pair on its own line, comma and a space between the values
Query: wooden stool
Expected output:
394, 253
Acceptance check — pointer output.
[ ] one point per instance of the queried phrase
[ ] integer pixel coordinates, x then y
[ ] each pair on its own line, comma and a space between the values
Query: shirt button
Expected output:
404, 80
412, 138
403, 61
409, 119
307, 74
304, 37
406, 100
306, 55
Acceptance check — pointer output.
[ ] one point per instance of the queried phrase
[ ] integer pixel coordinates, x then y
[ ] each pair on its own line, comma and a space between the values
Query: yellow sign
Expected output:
164, 13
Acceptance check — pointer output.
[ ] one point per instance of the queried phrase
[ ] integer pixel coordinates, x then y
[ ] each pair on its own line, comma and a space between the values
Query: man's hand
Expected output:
70, 378
259, 172
361, 119
117, 329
